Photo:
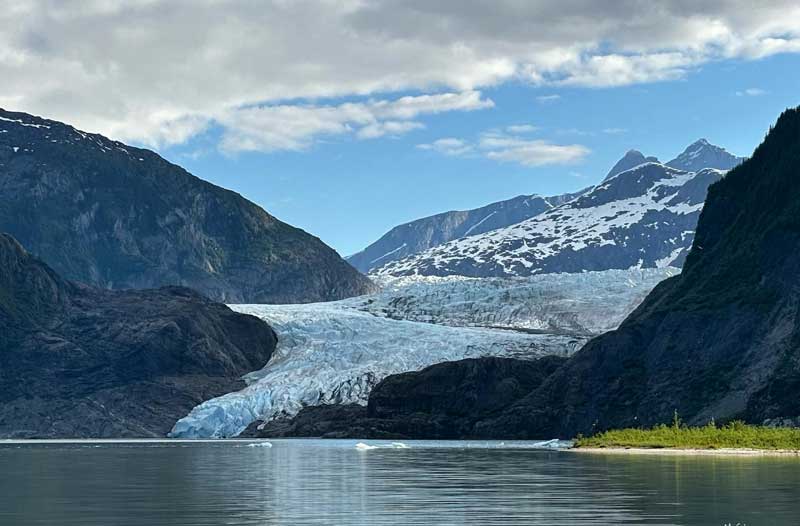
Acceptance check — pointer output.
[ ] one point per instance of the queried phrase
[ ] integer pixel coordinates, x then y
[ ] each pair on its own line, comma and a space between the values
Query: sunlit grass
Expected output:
736, 435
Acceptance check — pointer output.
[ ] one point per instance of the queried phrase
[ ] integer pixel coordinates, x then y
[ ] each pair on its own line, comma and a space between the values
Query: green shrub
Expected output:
736, 434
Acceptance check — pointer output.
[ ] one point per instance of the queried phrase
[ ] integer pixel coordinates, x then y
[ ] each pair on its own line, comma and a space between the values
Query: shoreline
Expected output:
722, 452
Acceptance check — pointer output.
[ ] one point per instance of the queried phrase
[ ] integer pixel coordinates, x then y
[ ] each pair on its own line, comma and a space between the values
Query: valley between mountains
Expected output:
139, 300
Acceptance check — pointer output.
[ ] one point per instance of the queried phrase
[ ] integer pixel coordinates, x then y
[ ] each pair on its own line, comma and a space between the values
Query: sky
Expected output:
346, 118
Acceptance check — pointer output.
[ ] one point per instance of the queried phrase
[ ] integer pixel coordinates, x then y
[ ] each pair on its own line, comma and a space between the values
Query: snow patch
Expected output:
23, 123
401, 247
479, 223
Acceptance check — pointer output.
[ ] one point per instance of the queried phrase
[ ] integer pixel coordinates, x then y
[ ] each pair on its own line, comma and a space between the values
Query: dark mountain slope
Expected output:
111, 215
82, 362
722, 340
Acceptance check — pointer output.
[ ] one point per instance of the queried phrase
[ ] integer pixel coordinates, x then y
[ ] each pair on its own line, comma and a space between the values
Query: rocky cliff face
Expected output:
77, 361
114, 216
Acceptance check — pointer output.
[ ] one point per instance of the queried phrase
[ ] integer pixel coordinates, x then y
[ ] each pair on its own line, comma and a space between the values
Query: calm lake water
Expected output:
300, 482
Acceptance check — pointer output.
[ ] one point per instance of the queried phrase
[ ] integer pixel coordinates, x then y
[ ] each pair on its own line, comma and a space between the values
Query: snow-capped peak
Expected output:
643, 217
702, 154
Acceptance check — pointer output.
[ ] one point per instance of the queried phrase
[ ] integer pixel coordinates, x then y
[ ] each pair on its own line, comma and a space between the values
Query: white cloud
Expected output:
502, 147
751, 92
575, 131
615, 69
161, 71
521, 128
614, 131
448, 146
546, 99
392, 128
296, 127
410, 107
530, 152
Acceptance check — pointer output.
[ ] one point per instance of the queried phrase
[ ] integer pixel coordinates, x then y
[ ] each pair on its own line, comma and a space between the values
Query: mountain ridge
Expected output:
117, 216
425, 258
417, 235
642, 217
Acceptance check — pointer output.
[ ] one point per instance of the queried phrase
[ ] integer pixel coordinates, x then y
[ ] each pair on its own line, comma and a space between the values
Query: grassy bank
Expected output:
735, 435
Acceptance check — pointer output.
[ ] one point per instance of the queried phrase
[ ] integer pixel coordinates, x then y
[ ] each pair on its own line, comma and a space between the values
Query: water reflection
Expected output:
307, 482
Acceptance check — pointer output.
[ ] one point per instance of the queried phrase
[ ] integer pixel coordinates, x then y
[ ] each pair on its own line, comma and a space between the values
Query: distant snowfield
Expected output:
647, 213
337, 352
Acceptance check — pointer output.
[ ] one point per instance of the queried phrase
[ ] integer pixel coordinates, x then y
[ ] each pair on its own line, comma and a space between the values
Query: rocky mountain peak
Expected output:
642, 217
702, 154
631, 159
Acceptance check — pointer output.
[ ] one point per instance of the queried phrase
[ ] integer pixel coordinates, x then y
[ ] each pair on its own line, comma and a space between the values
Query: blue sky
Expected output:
349, 191
347, 117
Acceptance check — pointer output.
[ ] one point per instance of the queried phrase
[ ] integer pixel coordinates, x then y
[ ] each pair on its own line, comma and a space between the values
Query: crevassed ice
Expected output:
332, 354
583, 303
337, 352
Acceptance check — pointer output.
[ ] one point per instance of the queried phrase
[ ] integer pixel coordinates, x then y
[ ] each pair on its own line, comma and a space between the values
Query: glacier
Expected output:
581, 303
330, 354
336, 352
